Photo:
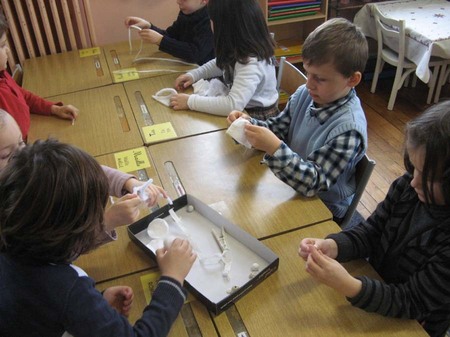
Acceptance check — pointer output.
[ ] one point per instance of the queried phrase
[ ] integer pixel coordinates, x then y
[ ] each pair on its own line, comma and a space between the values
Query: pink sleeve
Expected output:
116, 180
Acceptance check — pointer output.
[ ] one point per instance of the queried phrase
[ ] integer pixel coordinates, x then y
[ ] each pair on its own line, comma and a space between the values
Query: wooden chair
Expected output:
289, 78
443, 78
17, 74
391, 35
364, 170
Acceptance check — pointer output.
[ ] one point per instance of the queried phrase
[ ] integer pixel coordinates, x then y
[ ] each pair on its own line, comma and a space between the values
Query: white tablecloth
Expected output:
427, 28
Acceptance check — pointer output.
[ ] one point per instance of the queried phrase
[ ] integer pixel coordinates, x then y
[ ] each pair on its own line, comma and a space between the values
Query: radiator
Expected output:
43, 27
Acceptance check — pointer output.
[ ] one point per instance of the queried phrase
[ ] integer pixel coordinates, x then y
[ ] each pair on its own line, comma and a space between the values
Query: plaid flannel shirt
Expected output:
320, 170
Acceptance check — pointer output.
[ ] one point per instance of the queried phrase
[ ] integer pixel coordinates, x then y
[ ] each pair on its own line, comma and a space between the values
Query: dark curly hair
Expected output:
432, 131
52, 201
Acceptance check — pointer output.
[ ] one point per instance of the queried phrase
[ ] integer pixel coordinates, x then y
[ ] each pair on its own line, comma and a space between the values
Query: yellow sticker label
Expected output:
132, 160
159, 132
124, 75
89, 52
149, 283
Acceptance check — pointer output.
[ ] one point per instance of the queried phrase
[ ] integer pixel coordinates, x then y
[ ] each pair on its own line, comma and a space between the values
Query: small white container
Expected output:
158, 228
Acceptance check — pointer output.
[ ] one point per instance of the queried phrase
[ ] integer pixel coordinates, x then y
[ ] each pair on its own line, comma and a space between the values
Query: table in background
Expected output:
230, 178
65, 73
427, 28
290, 303
148, 111
193, 321
120, 257
119, 58
104, 125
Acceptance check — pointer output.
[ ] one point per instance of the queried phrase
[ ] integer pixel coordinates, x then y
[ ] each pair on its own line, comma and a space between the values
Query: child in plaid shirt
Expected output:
316, 142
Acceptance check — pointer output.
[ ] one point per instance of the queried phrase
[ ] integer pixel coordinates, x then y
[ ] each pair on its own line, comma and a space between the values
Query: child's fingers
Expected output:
160, 252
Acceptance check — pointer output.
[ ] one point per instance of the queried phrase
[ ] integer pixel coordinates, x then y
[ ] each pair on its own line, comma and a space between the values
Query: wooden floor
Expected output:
386, 132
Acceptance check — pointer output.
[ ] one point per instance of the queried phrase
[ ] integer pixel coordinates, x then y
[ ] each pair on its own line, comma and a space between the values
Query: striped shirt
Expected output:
408, 244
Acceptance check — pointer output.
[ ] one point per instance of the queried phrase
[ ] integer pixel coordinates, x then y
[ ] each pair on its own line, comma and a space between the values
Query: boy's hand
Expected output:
136, 21
331, 273
262, 138
179, 102
327, 246
65, 111
176, 262
120, 298
124, 211
183, 81
235, 115
153, 191
151, 36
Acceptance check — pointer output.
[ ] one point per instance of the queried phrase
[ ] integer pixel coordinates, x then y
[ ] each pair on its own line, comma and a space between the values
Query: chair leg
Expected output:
378, 67
395, 87
445, 72
432, 82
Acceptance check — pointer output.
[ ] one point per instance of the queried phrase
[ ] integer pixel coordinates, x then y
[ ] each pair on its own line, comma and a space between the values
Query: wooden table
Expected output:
148, 111
119, 58
65, 73
214, 169
290, 303
120, 257
104, 125
193, 321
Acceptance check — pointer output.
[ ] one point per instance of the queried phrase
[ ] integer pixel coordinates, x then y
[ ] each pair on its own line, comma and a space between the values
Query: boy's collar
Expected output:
323, 113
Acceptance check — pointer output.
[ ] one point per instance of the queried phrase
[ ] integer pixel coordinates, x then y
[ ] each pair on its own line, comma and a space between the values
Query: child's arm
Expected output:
235, 115
176, 261
136, 21
120, 298
262, 138
248, 78
362, 240
151, 36
153, 191
327, 246
208, 70
183, 81
121, 183
320, 169
123, 212
65, 111
328, 271
88, 311
199, 49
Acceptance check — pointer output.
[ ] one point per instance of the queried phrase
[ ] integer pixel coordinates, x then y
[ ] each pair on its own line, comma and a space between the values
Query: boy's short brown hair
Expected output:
340, 42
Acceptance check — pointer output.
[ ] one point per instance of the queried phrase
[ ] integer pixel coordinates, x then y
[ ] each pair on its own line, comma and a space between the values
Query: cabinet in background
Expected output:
291, 30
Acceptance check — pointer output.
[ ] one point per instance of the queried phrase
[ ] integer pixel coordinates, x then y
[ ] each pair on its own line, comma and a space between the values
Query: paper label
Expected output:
89, 52
158, 132
124, 75
132, 160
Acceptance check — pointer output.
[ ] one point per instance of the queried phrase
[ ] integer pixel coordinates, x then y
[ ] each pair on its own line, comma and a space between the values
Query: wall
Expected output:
109, 16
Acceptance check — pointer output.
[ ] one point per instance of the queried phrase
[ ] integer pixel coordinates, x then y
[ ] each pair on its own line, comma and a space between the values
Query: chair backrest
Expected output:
289, 78
390, 33
17, 74
363, 172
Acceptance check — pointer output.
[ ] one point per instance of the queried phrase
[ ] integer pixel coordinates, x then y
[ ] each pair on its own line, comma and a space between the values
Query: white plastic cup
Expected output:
158, 228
